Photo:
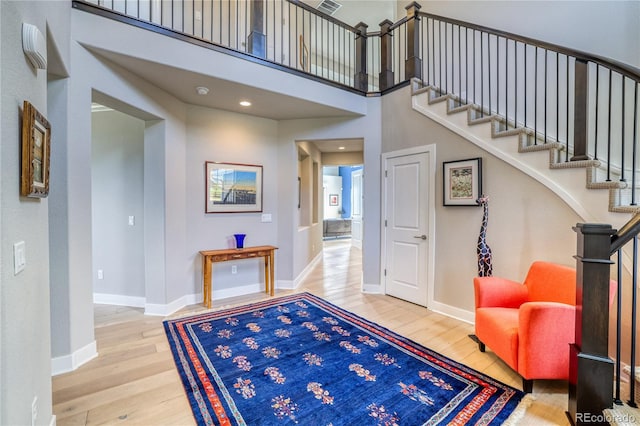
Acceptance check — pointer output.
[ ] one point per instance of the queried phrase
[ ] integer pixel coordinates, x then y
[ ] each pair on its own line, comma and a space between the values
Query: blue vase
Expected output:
239, 240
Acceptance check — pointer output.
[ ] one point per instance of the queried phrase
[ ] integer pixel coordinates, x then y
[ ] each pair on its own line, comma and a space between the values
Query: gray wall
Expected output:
221, 136
117, 185
527, 221
25, 344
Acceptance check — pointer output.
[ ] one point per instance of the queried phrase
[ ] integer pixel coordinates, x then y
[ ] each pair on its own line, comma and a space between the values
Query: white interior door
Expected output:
407, 208
356, 208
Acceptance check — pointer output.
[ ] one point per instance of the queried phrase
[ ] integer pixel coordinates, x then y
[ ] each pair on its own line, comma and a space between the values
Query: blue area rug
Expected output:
302, 360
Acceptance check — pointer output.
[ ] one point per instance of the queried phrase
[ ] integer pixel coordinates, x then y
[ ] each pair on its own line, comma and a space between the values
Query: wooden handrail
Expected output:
625, 234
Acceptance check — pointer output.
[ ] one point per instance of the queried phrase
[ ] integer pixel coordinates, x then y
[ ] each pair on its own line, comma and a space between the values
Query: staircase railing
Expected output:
585, 103
593, 374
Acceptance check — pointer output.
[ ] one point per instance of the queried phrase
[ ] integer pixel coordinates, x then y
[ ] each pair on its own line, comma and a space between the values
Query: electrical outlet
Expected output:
198, 15
34, 410
132, 220
234, 269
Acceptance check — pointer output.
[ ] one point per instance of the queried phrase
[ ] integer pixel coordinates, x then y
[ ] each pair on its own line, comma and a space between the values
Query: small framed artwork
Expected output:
462, 182
333, 199
36, 143
233, 188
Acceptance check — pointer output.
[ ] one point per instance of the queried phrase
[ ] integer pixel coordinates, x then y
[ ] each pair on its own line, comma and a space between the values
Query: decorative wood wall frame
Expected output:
36, 150
462, 182
233, 188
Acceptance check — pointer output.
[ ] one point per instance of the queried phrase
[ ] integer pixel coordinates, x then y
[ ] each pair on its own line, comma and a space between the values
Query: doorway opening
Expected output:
342, 203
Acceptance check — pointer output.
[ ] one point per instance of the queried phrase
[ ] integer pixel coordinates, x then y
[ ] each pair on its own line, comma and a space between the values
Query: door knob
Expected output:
422, 237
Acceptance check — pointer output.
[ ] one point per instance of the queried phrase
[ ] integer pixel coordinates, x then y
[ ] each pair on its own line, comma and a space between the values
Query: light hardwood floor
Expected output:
134, 378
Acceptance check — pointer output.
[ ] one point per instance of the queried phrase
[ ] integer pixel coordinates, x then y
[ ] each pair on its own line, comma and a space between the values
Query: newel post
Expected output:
361, 79
590, 368
386, 58
413, 63
256, 42
581, 87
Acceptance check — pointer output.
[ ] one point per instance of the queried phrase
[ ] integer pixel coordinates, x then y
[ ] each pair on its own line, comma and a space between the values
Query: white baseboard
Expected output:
119, 300
372, 288
292, 285
66, 363
171, 307
53, 420
453, 312
192, 299
237, 291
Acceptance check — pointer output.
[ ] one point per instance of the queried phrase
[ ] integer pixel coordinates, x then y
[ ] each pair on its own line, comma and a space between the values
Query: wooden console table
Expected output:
223, 255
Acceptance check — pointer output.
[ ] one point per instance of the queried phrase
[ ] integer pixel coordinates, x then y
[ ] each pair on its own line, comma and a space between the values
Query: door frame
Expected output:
431, 151
358, 242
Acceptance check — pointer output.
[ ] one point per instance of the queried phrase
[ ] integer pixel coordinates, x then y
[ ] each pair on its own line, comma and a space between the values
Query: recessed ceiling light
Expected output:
341, 147
245, 103
201, 90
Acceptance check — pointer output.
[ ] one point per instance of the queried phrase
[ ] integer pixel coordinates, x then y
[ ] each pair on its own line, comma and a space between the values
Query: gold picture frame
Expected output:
36, 149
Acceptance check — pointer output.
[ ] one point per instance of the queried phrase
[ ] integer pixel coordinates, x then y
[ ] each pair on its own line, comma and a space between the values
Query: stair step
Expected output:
542, 147
575, 164
607, 185
434, 99
624, 209
619, 191
454, 109
474, 117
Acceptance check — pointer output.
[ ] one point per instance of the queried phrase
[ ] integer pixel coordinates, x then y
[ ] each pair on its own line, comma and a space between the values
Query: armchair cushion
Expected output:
498, 292
549, 282
498, 329
530, 325
545, 330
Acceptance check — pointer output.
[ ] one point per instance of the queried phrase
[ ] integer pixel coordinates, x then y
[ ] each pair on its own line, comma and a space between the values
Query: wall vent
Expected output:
329, 7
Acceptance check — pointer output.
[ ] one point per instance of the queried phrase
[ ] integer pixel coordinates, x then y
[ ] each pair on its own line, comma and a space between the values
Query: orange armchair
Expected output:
530, 325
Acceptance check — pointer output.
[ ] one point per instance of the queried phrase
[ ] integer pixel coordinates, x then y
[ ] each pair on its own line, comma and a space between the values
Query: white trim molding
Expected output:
453, 312
119, 300
292, 285
66, 363
169, 308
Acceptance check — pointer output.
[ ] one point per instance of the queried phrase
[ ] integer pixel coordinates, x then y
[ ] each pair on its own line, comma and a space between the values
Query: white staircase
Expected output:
581, 184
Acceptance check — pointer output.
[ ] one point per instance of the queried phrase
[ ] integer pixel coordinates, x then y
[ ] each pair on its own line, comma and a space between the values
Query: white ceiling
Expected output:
371, 12
223, 94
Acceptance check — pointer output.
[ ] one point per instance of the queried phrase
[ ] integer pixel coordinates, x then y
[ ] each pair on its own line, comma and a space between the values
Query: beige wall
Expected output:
527, 222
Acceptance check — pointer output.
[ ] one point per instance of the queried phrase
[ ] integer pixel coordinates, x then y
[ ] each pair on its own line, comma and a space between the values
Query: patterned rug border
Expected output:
372, 327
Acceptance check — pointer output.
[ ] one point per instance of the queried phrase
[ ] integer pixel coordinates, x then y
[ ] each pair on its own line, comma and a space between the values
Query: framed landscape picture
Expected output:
36, 145
462, 182
233, 188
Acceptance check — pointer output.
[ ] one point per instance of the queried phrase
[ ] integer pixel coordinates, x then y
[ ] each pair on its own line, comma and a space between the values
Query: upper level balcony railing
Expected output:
286, 33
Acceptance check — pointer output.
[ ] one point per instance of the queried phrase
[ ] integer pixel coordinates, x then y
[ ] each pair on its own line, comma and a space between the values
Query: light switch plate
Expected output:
266, 217
19, 257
